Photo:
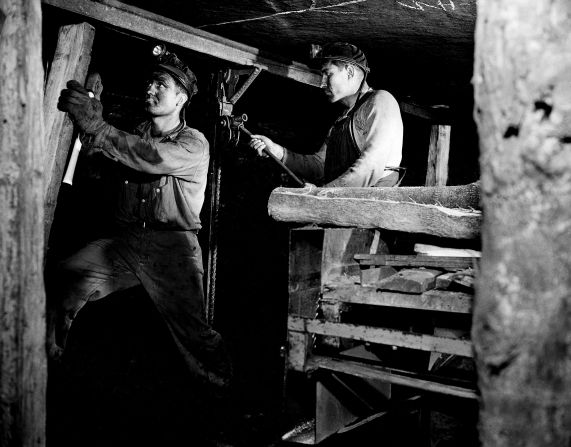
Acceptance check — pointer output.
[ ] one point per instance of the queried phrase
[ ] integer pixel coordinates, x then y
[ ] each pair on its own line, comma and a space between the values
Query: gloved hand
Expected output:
260, 142
84, 111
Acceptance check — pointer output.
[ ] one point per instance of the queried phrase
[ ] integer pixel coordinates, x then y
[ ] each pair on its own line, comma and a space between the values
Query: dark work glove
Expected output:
84, 111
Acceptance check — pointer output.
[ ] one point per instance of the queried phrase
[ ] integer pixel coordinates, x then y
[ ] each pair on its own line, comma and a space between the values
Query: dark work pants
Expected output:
168, 264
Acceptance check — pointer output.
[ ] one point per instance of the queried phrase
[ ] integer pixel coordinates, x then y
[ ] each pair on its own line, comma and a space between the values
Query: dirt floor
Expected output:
122, 383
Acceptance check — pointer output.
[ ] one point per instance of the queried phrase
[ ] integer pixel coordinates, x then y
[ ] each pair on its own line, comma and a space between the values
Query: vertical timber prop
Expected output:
522, 317
23, 369
438, 153
71, 61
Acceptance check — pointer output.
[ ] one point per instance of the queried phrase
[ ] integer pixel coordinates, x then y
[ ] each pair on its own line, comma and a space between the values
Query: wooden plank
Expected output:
139, 21
448, 262
23, 363
71, 61
383, 336
438, 152
433, 300
298, 352
372, 275
304, 206
339, 246
435, 250
410, 281
367, 371
464, 278
303, 303
441, 115
304, 271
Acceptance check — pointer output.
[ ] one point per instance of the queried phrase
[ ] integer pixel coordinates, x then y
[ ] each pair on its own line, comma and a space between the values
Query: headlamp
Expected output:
170, 63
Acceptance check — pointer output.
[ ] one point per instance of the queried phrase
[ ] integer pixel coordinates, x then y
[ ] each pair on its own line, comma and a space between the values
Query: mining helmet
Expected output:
171, 64
344, 52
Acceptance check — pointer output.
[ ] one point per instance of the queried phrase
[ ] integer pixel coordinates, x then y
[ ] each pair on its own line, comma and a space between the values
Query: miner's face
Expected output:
163, 96
336, 81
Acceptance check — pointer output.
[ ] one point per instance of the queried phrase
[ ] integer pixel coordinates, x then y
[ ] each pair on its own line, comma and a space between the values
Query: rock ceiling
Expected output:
421, 48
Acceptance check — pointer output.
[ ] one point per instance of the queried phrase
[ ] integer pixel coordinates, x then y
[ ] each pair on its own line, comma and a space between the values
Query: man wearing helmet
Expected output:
364, 145
162, 171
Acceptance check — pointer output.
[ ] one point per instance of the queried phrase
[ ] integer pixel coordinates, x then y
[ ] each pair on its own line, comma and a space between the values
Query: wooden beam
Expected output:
383, 336
445, 262
374, 372
23, 365
438, 151
304, 206
462, 196
139, 21
433, 300
522, 314
440, 115
71, 61
299, 349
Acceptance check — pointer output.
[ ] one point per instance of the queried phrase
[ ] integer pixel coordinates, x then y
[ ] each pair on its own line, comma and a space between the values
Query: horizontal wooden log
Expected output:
391, 337
445, 262
374, 372
433, 300
462, 196
358, 207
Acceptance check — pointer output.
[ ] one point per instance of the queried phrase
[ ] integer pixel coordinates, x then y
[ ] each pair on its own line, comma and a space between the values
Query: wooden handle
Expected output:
94, 84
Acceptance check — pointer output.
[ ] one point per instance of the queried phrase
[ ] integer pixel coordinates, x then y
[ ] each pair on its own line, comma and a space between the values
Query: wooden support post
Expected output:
71, 61
522, 315
23, 366
437, 169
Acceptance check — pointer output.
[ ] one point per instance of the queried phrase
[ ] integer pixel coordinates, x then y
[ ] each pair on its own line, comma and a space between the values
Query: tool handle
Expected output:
94, 84
68, 177
277, 160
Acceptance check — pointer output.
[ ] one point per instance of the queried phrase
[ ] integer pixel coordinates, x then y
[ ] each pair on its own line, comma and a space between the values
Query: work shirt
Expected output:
361, 147
162, 179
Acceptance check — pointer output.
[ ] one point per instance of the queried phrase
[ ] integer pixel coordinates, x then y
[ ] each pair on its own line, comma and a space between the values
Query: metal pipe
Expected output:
300, 182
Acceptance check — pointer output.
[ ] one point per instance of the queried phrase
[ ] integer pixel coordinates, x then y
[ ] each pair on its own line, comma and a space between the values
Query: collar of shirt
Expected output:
145, 129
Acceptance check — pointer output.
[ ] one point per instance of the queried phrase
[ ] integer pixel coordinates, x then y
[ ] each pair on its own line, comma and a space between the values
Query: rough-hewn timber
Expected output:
71, 61
438, 154
159, 27
23, 369
388, 208
463, 196
522, 317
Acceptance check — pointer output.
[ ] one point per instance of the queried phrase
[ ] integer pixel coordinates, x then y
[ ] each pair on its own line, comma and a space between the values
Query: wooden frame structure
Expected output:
523, 133
330, 273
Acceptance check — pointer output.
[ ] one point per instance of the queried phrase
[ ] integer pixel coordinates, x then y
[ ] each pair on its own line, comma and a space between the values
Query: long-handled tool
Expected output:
95, 86
237, 123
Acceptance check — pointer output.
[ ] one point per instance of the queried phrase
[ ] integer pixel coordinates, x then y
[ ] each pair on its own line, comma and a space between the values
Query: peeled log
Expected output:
411, 209
463, 196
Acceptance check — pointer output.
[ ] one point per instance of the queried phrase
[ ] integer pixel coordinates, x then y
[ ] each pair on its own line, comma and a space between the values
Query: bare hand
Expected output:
261, 143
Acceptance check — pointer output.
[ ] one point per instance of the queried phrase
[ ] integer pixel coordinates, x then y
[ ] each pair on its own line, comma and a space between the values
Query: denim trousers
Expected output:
168, 264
